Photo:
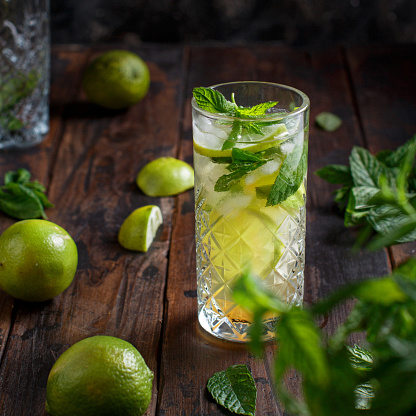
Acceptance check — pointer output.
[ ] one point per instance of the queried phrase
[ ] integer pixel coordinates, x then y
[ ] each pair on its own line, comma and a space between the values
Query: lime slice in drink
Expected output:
210, 145
242, 238
295, 201
139, 228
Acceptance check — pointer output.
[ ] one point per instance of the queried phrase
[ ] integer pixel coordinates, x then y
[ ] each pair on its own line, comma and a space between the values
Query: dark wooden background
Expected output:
89, 162
310, 23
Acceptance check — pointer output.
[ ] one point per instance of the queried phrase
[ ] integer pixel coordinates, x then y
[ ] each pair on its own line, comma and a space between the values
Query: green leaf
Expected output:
256, 110
291, 175
12, 123
392, 223
341, 196
396, 158
302, 347
354, 216
16, 89
382, 291
234, 389
212, 101
361, 358
328, 121
19, 176
339, 174
242, 163
22, 199
365, 168
234, 136
20, 202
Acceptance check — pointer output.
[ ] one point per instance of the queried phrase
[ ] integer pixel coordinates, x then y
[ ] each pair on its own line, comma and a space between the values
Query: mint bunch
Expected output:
213, 101
11, 93
234, 389
21, 198
378, 193
337, 379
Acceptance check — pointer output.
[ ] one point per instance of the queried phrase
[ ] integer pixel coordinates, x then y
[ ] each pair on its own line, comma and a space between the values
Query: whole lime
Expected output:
165, 176
116, 79
99, 376
38, 260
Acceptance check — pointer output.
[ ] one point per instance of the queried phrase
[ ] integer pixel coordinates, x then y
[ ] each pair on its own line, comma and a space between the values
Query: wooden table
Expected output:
89, 162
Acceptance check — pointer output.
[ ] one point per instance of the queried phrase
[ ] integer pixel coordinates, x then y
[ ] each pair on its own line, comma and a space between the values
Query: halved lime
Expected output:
165, 176
139, 229
210, 145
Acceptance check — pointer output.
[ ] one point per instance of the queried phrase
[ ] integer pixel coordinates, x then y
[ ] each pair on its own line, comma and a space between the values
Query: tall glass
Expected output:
24, 72
250, 203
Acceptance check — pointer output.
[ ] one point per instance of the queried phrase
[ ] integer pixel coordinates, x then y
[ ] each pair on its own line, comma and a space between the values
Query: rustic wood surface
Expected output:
89, 161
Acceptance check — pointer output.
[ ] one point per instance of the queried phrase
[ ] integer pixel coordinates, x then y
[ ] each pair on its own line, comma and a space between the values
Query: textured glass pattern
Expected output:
225, 244
24, 72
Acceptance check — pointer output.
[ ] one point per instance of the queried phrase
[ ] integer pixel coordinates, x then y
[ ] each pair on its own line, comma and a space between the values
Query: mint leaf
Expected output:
234, 389
361, 358
21, 198
212, 101
234, 135
256, 110
339, 174
365, 168
393, 224
20, 202
328, 121
302, 347
291, 175
242, 163
19, 176
396, 158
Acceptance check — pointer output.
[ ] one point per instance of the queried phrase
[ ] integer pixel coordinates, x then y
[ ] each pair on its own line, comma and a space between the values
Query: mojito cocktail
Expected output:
250, 159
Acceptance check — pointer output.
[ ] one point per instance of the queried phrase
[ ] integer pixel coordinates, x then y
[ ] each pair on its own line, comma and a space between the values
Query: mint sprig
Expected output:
234, 389
337, 379
378, 194
213, 101
22, 199
242, 162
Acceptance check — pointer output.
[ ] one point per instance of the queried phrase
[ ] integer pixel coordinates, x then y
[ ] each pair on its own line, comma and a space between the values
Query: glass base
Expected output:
25, 137
233, 330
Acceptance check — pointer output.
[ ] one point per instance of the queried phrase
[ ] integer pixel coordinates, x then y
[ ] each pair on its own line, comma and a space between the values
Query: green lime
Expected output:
99, 376
297, 200
116, 79
210, 145
139, 229
165, 176
38, 260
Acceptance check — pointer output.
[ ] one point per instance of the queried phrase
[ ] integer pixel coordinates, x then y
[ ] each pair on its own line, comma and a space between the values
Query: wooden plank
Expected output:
38, 159
115, 292
383, 79
329, 259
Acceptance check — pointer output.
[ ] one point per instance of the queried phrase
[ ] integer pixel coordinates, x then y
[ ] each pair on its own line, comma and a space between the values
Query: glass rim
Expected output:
304, 106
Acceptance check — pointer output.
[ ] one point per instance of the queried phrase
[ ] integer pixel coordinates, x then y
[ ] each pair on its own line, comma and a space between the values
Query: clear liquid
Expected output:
235, 229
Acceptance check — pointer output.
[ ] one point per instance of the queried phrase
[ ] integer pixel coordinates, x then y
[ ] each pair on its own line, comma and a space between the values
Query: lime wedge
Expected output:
139, 229
210, 145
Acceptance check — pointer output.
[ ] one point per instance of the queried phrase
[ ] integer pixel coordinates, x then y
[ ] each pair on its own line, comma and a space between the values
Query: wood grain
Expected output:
89, 161
383, 80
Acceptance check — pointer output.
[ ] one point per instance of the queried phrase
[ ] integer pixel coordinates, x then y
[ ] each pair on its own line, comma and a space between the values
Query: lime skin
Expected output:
38, 260
99, 376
